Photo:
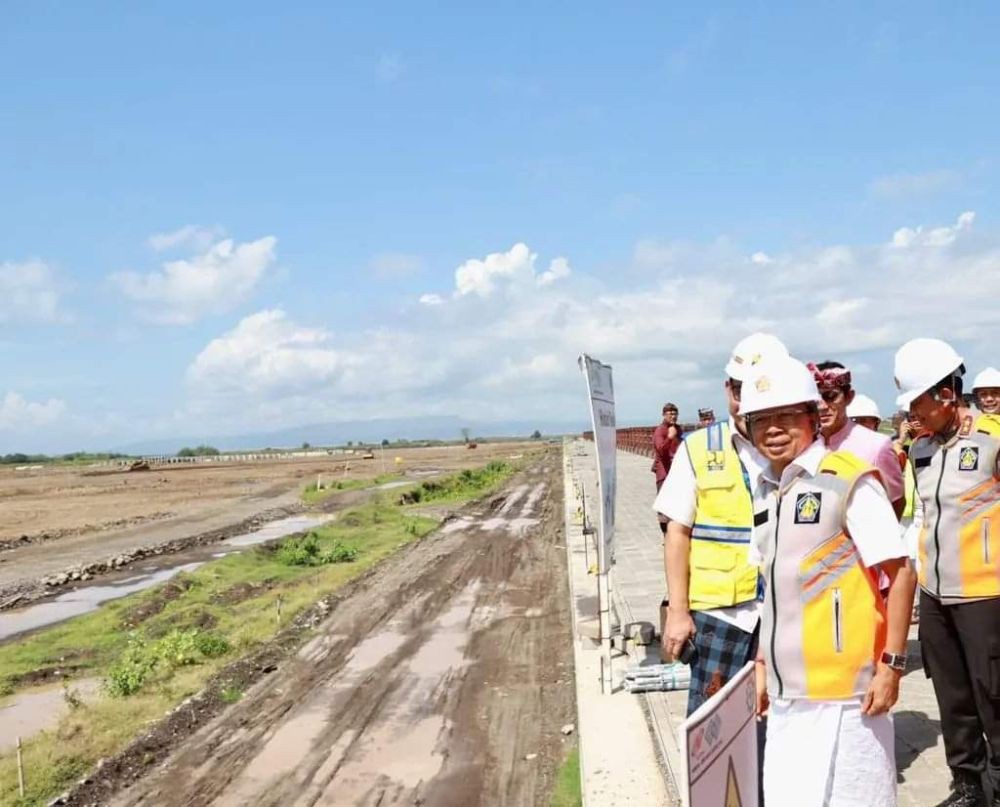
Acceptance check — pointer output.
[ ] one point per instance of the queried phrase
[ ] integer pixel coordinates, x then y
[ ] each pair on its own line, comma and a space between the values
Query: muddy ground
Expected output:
61, 518
443, 677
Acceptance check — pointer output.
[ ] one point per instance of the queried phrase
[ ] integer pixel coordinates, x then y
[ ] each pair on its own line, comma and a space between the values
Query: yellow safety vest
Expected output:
824, 622
988, 424
720, 574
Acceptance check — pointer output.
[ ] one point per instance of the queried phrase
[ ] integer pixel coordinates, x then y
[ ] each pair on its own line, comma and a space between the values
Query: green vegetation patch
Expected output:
568, 791
466, 484
312, 494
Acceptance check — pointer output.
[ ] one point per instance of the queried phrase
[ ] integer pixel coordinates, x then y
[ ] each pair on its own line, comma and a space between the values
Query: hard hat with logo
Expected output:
920, 364
987, 379
751, 351
776, 382
863, 407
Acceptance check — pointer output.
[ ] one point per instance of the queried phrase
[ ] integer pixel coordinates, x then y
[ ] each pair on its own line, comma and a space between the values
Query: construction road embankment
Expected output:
444, 677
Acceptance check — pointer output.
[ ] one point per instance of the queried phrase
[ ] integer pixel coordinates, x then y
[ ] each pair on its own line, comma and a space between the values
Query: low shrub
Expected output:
142, 658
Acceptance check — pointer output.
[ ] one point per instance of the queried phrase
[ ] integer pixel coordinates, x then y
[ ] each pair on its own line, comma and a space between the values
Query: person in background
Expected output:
666, 439
841, 434
706, 417
864, 411
832, 651
714, 608
957, 520
986, 388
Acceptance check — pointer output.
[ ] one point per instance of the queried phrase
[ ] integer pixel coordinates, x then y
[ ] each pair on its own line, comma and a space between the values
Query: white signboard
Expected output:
602, 412
719, 747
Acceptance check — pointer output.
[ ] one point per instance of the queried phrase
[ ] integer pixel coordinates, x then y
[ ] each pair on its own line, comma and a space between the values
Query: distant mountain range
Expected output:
443, 427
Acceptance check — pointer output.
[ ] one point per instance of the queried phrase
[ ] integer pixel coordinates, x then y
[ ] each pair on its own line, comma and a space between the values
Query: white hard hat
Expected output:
920, 364
990, 377
863, 407
751, 351
780, 381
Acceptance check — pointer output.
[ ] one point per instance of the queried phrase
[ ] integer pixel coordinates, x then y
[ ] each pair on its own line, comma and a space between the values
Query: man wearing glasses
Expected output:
713, 608
833, 381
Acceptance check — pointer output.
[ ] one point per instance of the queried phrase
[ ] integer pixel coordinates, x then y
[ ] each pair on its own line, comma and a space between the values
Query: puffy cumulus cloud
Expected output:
934, 237
514, 354
29, 292
267, 355
192, 236
512, 269
431, 299
213, 282
18, 414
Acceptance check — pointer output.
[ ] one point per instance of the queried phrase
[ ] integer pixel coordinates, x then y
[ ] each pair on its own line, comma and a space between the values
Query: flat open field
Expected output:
62, 516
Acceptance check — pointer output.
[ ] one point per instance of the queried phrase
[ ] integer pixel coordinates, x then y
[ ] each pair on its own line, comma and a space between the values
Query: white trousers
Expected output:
827, 754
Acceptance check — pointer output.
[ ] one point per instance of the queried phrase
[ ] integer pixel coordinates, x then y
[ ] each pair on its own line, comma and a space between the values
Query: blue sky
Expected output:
230, 217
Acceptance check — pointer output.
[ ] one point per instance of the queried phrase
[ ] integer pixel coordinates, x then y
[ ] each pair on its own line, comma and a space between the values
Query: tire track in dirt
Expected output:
444, 680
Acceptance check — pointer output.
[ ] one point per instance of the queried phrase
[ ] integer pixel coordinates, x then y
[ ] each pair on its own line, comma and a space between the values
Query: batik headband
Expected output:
834, 378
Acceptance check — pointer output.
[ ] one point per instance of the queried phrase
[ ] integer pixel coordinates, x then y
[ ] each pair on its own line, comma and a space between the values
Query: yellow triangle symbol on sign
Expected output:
733, 798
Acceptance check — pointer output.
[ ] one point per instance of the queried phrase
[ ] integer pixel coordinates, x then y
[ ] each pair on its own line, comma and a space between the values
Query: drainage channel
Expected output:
89, 597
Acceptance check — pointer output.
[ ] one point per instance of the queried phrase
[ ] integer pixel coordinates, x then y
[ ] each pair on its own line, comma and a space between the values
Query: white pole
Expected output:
20, 769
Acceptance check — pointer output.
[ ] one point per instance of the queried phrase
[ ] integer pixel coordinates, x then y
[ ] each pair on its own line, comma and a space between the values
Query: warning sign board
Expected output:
719, 747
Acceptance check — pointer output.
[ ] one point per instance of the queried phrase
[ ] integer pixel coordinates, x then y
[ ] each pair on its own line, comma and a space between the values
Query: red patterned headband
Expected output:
834, 378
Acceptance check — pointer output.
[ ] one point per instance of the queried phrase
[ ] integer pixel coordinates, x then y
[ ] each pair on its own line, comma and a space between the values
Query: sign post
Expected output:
601, 391
719, 747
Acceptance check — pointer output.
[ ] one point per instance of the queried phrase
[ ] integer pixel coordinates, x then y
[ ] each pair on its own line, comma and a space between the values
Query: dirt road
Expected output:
444, 680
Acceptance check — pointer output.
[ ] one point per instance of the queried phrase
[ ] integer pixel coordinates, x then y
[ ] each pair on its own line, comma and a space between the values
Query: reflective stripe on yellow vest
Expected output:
824, 623
909, 490
959, 544
720, 575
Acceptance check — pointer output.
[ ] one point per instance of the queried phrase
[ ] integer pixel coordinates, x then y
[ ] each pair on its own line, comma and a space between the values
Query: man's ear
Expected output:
946, 394
849, 396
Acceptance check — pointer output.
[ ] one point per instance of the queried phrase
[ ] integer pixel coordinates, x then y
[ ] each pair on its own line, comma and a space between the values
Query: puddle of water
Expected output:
277, 529
397, 484
87, 598
29, 713
80, 601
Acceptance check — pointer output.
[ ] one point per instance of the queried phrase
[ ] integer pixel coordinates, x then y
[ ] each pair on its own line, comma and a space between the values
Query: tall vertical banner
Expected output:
601, 391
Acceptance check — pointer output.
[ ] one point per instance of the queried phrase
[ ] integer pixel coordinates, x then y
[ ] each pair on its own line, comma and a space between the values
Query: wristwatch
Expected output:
894, 661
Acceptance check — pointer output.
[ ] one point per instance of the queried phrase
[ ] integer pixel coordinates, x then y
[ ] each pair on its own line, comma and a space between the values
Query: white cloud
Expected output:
265, 354
507, 346
512, 269
935, 237
192, 236
760, 259
559, 268
391, 265
29, 292
389, 68
893, 186
17, 414
212, 282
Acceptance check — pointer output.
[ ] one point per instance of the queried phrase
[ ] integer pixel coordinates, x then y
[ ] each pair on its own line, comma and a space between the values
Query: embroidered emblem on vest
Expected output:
716, 460
807, 507
968, 459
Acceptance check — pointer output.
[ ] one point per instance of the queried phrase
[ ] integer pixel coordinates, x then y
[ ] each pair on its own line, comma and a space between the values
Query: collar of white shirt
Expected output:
806, 463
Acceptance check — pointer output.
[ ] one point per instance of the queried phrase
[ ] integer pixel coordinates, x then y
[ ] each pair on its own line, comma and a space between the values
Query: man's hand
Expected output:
882, 692
760, 671
680, 628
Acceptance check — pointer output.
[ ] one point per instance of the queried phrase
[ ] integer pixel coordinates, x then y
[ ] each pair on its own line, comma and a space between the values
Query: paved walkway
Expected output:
639, 586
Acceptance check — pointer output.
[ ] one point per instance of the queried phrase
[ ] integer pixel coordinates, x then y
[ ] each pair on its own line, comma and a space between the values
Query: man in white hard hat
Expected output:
956, 464
713, 590
841, 434
831, 650
864, 411
986, 388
